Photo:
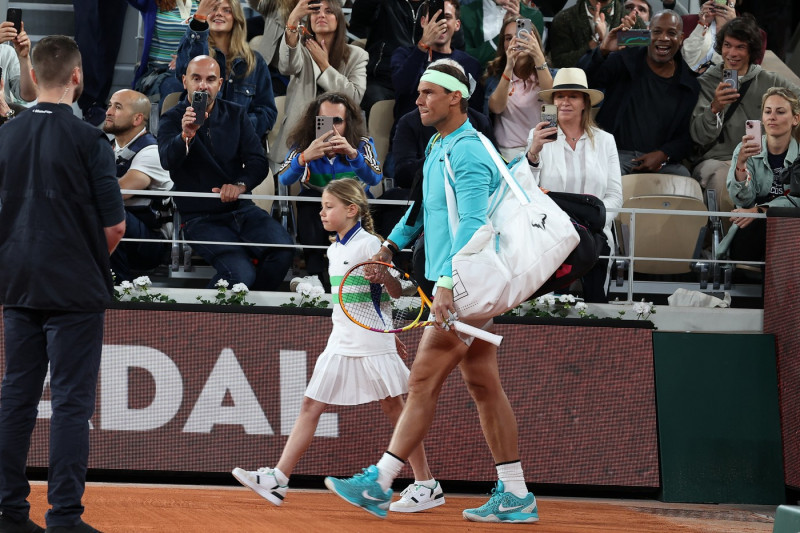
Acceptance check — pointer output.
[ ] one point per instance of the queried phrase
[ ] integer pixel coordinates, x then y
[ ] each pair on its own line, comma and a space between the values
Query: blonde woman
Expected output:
581, 159
754, 181
218, 29
315, 55
514, 79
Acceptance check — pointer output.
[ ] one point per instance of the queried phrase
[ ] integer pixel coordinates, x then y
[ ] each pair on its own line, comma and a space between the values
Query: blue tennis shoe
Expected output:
504, 507
363, 490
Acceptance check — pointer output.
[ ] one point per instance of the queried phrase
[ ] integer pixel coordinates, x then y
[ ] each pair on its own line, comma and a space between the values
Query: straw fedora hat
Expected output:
571, 79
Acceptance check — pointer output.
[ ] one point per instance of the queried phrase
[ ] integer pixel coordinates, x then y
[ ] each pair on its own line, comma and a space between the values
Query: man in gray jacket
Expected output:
718, 119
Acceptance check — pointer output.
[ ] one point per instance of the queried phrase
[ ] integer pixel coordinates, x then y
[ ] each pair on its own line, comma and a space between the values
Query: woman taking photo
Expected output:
581, 158
513, 82
315, 54
344, 152
754, 181
218, 29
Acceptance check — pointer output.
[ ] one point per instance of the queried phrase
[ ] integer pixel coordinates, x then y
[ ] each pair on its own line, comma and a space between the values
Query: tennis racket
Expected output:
394, 305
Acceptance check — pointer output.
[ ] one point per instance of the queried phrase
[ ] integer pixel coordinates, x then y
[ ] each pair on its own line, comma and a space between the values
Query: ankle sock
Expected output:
513, 478
389, 468
430, 483
280, 477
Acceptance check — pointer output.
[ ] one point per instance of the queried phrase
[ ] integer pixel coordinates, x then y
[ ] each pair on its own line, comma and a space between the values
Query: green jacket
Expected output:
571, 32
472, 26
744, 194
704, 129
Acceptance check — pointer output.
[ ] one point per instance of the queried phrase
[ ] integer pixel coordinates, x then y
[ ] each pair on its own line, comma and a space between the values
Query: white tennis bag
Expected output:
524, 241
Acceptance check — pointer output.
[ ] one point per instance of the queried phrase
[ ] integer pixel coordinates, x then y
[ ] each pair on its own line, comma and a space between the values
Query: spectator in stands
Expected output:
514, 80
548, 7
138, 167
98, 32
274, 14
387, 25
754, 181
320, 62
218, 29
345, 152
582, 27
719, 117
409, 62
6, 111
483, 25
16, 64
641, 8
66, 217
582, 159
698, 48
223, 155
164, 23
649, 95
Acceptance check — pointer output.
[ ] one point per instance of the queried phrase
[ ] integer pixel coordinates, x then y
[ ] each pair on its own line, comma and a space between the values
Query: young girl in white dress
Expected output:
358, 366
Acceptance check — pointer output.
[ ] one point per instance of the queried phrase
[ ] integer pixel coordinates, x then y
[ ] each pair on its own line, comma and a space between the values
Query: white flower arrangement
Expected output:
237, 296
139, 291
310, 296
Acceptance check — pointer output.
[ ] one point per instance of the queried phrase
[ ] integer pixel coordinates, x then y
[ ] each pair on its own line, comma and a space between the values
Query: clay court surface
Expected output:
122, 508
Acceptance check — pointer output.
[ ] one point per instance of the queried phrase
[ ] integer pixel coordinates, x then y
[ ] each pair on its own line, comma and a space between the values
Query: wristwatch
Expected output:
9, 114
241, 184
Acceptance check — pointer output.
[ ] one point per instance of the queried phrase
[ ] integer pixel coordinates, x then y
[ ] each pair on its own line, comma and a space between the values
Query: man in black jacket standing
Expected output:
61, 215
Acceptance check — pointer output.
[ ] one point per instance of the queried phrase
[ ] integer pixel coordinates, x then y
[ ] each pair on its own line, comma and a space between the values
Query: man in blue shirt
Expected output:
442, 103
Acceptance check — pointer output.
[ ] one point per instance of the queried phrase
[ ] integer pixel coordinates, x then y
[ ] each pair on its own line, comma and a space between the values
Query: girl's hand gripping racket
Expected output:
380, 297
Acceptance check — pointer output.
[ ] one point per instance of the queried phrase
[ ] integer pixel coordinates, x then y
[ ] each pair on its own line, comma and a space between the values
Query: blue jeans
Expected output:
72, 343
137, 255
259, 267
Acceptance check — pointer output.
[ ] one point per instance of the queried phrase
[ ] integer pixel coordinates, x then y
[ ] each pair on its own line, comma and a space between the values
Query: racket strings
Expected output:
371, 305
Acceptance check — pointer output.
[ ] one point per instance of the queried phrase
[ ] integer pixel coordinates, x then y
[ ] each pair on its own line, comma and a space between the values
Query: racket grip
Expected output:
478, 333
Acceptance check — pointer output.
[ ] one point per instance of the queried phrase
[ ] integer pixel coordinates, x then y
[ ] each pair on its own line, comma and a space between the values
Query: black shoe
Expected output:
82, 527
8, 525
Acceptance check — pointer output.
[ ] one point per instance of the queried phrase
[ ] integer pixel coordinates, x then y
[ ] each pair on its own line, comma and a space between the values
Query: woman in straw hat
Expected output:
576, 156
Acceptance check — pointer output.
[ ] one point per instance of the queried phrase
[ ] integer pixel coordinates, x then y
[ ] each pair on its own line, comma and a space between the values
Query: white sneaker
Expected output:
417, 497
263, 482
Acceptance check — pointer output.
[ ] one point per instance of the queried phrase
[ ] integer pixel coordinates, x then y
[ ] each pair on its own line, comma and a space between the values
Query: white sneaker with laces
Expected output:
417, 497
263, 483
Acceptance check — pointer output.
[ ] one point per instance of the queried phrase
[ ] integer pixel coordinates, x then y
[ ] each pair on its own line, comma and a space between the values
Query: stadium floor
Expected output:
119, 508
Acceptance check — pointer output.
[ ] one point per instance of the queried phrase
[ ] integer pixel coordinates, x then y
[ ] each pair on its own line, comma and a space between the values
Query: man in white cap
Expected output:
442, 103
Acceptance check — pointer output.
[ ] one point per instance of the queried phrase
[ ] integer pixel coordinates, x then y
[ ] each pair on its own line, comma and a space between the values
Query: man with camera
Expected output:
209, 145
649, 95
730, 95
139, 168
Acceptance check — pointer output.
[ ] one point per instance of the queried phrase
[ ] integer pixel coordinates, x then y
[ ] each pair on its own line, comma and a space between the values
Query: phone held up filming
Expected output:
199, 104
753, 127
324, 125
731, 77
550, 115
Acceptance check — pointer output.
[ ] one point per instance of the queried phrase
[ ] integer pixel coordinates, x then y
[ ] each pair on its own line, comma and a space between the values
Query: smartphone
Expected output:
14, 15
314, 5
753, 127
433, 6
524, 26
550, 115
633, 38
723, 3
731, 77
199, 104
324, 126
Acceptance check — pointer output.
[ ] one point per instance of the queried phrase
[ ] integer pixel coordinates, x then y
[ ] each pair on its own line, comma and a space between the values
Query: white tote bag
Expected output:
524, 241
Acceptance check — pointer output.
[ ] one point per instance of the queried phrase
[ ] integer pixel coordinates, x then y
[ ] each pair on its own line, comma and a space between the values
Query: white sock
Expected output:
430, 483
389, 468
513, 479
280, 477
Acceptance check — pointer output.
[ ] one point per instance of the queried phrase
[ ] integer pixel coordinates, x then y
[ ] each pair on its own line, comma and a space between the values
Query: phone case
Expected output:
753, 127
731, 77
633, 37
199, 104
524, 26
433, 7
323, 126
550, 115
15, 15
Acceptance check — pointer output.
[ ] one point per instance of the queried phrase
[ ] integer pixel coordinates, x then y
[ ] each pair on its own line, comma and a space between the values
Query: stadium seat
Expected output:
280, 103
169, 101
660, 184
266, 187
